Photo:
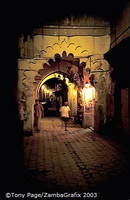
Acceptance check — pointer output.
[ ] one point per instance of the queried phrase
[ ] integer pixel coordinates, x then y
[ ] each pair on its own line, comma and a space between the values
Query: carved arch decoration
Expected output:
66, 64
62, 44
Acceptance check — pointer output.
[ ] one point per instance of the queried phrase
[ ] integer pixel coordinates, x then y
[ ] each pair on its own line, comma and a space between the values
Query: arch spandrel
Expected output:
63, 63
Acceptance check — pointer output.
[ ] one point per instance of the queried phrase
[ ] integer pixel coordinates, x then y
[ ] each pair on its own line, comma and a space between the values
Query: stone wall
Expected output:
37, 49
118, 57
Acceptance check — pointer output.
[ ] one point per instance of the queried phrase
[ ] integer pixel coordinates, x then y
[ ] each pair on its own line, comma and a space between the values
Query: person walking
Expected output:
65, 114
38, 110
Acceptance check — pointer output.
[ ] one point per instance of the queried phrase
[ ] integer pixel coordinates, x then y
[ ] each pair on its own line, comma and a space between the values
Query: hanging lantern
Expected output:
88, 94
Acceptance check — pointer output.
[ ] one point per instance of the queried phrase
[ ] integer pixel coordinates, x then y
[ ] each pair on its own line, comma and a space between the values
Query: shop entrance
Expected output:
63, 79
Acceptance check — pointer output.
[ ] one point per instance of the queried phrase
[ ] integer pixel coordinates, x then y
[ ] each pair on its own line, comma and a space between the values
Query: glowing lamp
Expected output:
74, 92
88, 93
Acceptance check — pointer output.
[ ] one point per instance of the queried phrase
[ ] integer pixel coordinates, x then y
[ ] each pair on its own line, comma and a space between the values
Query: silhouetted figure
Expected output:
38, 109
21, 112
65, 114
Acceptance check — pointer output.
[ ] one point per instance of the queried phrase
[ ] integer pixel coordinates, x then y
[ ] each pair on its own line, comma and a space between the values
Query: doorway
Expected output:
52, 95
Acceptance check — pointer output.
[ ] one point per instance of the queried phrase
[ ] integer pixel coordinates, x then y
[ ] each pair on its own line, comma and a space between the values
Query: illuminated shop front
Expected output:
88, 97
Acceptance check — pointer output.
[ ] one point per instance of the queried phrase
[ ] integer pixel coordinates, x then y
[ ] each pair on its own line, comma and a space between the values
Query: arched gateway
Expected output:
55, 51
61, 89
66, 69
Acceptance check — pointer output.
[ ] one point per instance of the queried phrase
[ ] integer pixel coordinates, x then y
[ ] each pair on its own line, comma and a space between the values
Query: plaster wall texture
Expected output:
37, 50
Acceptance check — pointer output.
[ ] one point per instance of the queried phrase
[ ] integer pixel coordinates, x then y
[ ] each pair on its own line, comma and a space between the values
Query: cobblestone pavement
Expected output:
75, 160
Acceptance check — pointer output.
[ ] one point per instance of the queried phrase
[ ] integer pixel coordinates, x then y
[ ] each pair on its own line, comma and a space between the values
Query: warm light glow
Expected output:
87, 85
54, 75
43, 87
67, 81
46, 90
88, 93
74, 92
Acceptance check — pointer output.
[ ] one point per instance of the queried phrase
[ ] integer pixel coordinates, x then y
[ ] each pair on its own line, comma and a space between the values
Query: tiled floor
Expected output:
75, 160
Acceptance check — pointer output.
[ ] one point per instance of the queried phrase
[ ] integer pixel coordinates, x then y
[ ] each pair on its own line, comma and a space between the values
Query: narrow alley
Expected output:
73, 160
68, 62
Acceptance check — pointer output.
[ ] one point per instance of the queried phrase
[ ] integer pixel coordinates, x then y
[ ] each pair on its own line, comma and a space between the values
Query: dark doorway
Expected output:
52, 94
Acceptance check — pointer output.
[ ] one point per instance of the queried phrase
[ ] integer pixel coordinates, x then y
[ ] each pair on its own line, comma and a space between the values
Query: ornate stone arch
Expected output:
66, 64
46, 77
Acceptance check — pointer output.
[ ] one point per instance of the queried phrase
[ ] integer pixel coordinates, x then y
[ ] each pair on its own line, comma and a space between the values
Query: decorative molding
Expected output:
72, 30
77, 47
70, 45
66, 64
41, 53
49, 47
84, 51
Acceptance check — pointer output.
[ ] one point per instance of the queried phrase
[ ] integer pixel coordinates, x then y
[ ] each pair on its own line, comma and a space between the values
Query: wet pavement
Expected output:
76, 160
